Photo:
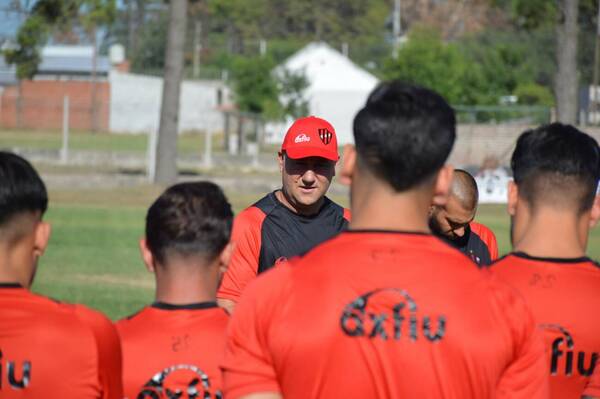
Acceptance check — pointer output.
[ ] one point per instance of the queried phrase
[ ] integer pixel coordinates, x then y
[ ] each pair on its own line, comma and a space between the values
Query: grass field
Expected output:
93, 255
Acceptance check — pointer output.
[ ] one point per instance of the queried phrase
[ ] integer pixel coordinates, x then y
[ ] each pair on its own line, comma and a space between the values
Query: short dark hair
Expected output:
189, 219
404, 133
21, 188
557, 164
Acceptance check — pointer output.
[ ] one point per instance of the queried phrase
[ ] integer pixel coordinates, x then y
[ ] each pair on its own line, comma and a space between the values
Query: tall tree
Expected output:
565, 85
166, 161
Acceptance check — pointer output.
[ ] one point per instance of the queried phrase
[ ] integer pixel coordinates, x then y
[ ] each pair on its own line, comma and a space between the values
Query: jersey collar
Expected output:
524, 255
10, 285
187, 306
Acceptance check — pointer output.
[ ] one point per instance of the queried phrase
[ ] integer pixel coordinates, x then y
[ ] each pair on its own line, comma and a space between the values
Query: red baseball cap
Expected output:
311, 137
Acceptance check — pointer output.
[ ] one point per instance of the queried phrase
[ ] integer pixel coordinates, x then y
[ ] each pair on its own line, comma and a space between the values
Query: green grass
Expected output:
93, 253
52, 140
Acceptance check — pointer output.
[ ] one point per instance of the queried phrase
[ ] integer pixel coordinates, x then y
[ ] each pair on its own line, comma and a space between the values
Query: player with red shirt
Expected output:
386, 310
48, 349
592, 391
553, 205
454, 222
174, 346
290, 221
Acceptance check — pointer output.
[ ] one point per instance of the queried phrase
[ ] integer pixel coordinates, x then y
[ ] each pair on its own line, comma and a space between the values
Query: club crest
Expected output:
325, 136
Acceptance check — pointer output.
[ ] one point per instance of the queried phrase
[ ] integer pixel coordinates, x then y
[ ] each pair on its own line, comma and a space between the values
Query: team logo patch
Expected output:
325, 136
301, 138
390, 314
179, 382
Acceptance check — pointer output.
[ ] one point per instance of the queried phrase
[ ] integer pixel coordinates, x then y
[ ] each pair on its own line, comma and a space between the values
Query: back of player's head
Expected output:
557, 165
21, 188
189, 219
464, 189
404, 133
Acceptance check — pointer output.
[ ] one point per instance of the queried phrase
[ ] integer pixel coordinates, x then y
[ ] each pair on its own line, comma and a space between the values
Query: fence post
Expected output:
64, 151
152, 143
208, 149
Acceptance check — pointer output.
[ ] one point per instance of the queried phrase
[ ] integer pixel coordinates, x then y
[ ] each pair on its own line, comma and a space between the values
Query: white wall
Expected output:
135, 104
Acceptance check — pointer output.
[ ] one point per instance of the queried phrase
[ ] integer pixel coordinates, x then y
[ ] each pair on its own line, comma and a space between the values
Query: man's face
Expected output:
306, 180
451, 220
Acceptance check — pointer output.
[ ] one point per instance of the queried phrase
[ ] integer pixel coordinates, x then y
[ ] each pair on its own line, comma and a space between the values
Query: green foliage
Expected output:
425, 60
47, 16
256, 89
150, 52
292, 87
534, 94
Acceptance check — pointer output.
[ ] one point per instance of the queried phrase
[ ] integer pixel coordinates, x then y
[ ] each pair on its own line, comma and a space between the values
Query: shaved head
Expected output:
464, 189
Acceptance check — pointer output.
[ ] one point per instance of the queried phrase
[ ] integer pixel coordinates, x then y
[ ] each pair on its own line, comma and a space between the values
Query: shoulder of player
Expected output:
251, 217
481, 229
92, 318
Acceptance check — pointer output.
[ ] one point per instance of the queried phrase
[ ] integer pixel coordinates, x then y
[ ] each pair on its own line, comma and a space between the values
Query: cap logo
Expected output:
301, 138
325, 136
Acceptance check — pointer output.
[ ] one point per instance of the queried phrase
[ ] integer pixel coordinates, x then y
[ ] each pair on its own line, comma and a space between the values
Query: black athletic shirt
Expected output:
478, 243
268, 232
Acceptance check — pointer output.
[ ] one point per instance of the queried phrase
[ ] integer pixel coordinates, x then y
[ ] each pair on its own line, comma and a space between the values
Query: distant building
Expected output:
337, 90
63, 71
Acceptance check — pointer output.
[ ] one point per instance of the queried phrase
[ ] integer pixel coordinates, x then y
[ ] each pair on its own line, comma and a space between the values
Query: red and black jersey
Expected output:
564, 295
53, 350
373, 314
173, 349
268, 232
478, 243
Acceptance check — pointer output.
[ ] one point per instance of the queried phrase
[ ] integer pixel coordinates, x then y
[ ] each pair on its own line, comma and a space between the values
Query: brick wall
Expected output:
42, 105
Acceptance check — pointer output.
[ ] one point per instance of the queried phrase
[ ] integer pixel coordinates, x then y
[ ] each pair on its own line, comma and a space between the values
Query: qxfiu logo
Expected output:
325, 136
563, 348
12, 374
179, 382
389, 313
301, 138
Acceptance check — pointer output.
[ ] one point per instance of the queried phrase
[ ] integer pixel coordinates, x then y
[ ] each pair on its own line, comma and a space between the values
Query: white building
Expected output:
337, 88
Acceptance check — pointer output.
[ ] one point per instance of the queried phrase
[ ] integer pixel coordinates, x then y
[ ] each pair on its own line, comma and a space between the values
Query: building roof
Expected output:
60, 60
326, 69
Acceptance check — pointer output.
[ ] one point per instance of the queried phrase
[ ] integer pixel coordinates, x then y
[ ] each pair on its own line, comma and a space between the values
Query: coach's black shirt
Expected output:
268, 232
479, 245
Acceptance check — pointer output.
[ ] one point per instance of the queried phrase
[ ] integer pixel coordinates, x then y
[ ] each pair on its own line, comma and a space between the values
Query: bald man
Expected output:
454, 221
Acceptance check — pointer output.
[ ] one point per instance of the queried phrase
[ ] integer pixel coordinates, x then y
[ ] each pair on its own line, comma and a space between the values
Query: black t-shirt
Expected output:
473, 246
285, 234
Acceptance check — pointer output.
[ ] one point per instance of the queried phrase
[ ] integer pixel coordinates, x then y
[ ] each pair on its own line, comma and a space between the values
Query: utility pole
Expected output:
197, 48
397, 29
593, 109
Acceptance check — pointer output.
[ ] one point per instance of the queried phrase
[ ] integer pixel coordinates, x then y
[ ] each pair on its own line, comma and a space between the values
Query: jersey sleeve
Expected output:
109, 351
347, 215
526, 377
243, 267
248, 367
592, 390
488, 237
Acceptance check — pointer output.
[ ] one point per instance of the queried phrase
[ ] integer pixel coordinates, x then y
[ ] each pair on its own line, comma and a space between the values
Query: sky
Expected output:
9, 21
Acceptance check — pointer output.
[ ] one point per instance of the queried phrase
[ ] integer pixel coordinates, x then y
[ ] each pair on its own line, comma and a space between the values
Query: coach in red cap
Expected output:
292, 220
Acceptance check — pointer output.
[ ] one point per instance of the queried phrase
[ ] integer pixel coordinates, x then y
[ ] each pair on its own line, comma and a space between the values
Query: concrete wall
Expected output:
135, 105
475, 143
42, 104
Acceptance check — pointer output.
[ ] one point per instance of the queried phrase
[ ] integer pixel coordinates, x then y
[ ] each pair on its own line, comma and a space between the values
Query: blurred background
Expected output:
114, 99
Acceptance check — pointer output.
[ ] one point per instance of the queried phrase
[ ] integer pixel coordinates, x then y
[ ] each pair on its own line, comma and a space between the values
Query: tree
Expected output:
166, 162
427, 61
566, 86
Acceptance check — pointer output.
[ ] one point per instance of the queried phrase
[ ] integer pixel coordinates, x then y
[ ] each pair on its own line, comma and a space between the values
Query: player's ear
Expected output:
42, 236
595, 214
513, 197
147, 256
441, 187
348, 164
280, 160
225, 257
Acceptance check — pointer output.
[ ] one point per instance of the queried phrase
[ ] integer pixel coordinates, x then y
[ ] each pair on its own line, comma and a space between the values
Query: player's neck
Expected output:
182, 286
377, 207
551, 234
13, 260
